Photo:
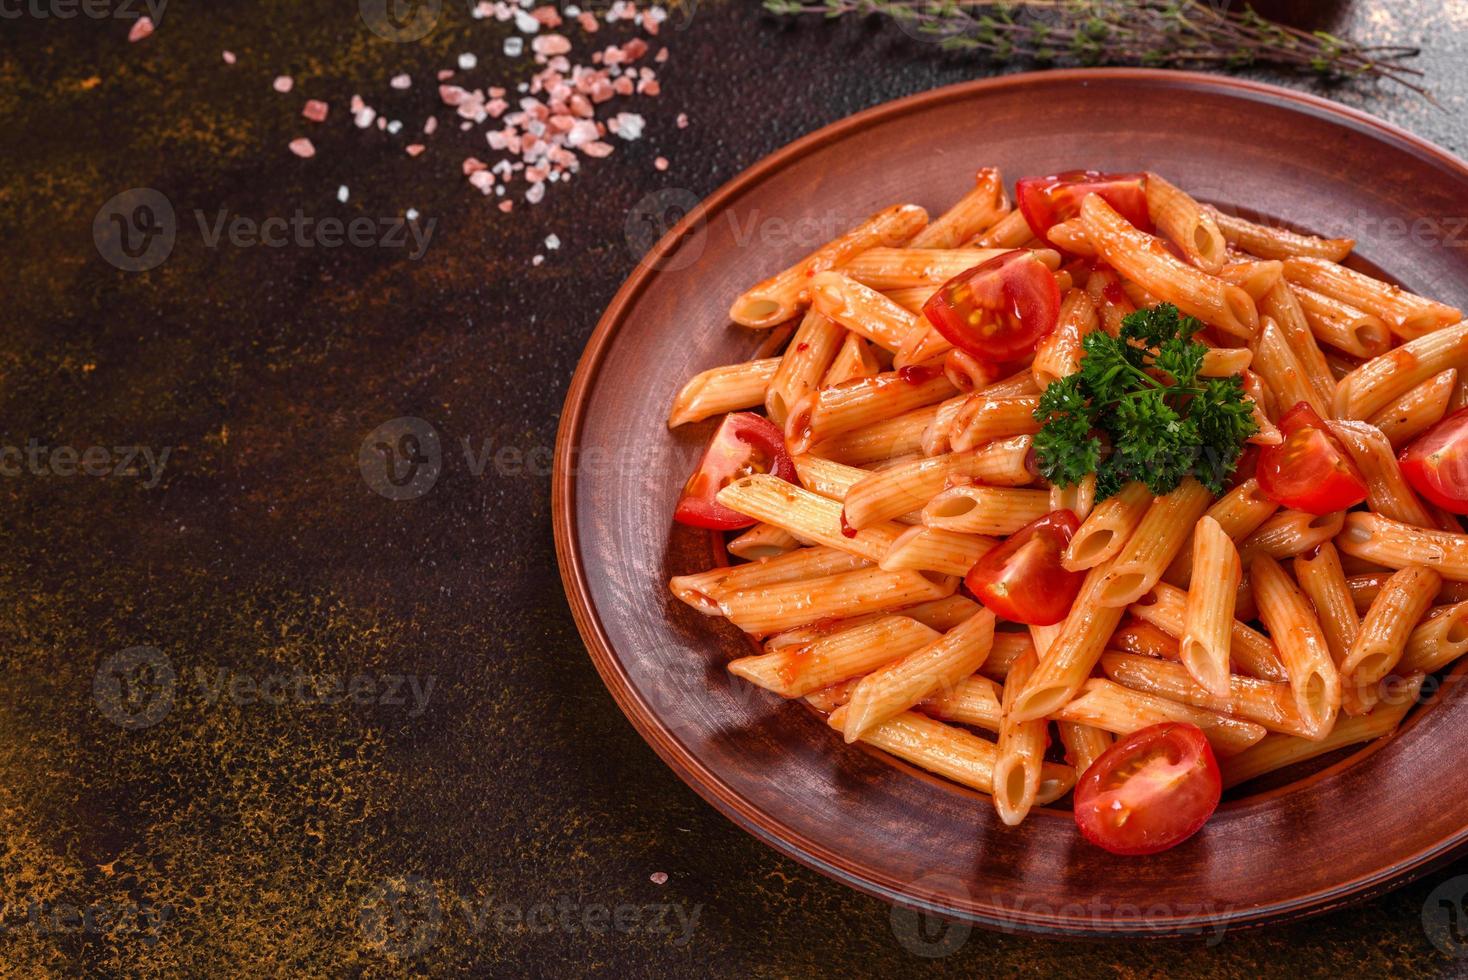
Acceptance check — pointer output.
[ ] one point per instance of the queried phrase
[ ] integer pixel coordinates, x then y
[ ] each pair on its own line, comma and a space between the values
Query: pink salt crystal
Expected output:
496, 108
452, 94
497, 139
658, 877
535, 193
283, 83
382, 122
401, 82
622, 86
535, 174
596, 148
547, 15
315, 110
472, 165
430, 125
562, 123
612, 56
507, 205
634, 49
482, 179
550, 44
444, 74
649, 86
303, 148
661, 56
682, 120
588, 23
581, 132
229, 58
579, 105
661, 163
413, 149
357, 104
495, 92
648, 24
142, 27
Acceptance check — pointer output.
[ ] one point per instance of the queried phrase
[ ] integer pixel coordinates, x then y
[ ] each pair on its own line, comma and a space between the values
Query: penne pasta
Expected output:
1108, 528
1277, 751
1343, 327
1256, 278
985, 510
890, 492
1165, 607
1289, 533
1239, 512
1078, 498
771, 608
1209, 616
1270, 242
806, 515
1436, 642
804, 363
730, 388
1380, 539
1157, 540
1021, 751
1121, 710
937, 667
784, 294
1276, 363
1083, 744
1058, 355
1143, 259
1323, 581
1187, 223
975, 213
854, 359
862, 310
1394, 614
951, 752
1073, 655
899, 268
1267, 703
984, 417
1408, 315
828, 412
1296, 631
1010, 231
762, 541
929, 549
699, 588
972, 701
1281, 305
1418, 410
1386, 488
1104, 288
860, 649
1377, 383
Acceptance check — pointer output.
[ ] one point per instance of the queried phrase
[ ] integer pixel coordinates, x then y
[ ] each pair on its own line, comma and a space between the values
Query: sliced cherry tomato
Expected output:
1047, 201
998, 310
1150, 791
1310, 470
1022, 579
745, 443
1436, 463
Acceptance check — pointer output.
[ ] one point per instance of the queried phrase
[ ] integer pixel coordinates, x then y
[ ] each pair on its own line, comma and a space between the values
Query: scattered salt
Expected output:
395, 127
283, 83
537, 259
467, 61
658, 877
682, 120
342, 193
365, 116
315, 110
303, 148
401, 81
661, 163
552, 242
525, 24
411, 214
515, 46
229, 58
142, 27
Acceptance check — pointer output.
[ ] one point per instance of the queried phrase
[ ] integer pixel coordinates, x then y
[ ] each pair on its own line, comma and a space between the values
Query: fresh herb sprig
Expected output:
1138, 410
1155, 33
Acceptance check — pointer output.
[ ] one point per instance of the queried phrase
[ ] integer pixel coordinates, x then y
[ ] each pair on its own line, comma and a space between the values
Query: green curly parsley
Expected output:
1140, 395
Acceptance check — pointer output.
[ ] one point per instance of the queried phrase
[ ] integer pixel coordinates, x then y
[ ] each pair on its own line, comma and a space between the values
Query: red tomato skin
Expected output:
739, 439
1310, 470
1203, 765
1443, 447
1044, 591
1018, 287
1047, 201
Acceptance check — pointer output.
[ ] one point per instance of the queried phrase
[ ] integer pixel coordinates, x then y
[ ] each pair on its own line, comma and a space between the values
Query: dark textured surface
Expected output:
266, 831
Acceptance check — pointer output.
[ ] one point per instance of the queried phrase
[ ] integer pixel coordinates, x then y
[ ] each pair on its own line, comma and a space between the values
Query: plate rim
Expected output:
707, 783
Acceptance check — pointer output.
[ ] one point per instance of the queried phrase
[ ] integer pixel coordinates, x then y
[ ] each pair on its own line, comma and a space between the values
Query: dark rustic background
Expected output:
246, 829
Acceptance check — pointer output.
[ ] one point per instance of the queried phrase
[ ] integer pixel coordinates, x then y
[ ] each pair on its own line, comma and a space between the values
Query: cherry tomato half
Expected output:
745, 443
998, 310
1310, 470
1436, 463
1047, 201
1150, 791
1022, 579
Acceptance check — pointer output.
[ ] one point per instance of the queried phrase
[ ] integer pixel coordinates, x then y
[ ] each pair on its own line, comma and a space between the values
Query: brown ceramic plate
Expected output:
1364, 825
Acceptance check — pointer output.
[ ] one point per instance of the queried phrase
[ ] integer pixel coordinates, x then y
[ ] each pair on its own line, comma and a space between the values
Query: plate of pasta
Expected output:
1073, 540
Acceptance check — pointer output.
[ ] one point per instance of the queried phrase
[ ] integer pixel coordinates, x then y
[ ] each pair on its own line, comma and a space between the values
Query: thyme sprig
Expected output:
1157, 33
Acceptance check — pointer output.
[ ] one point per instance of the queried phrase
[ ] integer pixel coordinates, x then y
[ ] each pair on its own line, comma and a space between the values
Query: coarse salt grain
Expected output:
658, 877
535, 193
661, 163
526, 24
682, 120
395, 127
411, 214
142, 27
364, 117
315, 110
467, 61
342, 193
537, 259
507, 205
627, 125
229, 58
413, 149
552, 242
430, 125
482, 179
514, 47
283, 83
303, 148
401, 82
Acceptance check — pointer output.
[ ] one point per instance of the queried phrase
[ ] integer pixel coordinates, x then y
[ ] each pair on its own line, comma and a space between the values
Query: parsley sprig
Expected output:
1137, 410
